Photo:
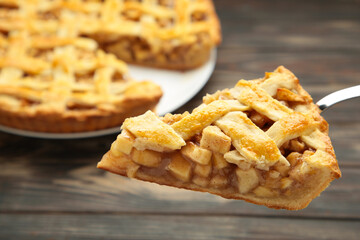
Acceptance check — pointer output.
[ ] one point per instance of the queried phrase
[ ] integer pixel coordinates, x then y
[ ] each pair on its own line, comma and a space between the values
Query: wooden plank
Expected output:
311, 79
289, 26
291, 35
289, 10
101, 226
331, 67
54, 184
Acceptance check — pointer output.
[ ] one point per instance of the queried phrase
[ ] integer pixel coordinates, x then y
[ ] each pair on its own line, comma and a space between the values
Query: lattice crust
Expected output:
176, 34
65, 84
262, 141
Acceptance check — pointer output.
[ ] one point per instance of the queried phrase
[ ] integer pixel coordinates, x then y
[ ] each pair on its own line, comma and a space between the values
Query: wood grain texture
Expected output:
86, 189
50, 189
102, 226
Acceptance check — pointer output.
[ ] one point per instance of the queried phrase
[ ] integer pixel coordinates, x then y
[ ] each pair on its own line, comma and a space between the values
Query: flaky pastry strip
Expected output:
251, 142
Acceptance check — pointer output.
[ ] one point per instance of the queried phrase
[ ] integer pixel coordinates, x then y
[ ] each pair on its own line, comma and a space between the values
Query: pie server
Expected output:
338, 96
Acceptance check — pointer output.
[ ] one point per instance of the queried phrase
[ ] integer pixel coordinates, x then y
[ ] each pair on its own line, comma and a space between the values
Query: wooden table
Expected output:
51, 189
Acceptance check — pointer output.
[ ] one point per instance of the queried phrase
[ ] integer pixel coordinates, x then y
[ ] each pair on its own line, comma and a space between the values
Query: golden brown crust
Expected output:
314, 110
66, 84
186, 61
82, 121
177, 35
183, 57
216, 28
241, 143
156, 32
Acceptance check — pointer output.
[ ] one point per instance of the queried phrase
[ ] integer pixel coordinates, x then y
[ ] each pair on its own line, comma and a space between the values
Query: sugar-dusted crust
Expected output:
263, 141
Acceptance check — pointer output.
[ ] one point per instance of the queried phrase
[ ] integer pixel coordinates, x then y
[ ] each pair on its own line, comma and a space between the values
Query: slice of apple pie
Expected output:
262, 141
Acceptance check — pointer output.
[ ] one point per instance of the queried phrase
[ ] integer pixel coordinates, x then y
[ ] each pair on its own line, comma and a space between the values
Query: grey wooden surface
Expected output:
51, 189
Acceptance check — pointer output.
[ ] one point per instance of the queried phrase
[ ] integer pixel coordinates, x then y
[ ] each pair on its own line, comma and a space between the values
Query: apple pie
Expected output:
262, 141
66, 84
172, 34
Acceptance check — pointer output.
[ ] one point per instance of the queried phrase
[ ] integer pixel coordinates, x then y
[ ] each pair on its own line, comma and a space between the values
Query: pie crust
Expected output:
262, 141
171, 34
57, 71
66, 84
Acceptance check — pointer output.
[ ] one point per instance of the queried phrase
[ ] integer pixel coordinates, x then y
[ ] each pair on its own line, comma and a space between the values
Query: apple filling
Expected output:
138, 50
262, 141
209, 160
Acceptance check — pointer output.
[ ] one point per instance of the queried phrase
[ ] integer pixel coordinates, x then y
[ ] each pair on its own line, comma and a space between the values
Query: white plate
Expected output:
178, 87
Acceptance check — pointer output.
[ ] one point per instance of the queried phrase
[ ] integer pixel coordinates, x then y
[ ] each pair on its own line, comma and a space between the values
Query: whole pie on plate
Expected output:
66, 84
172, 34
262, 141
